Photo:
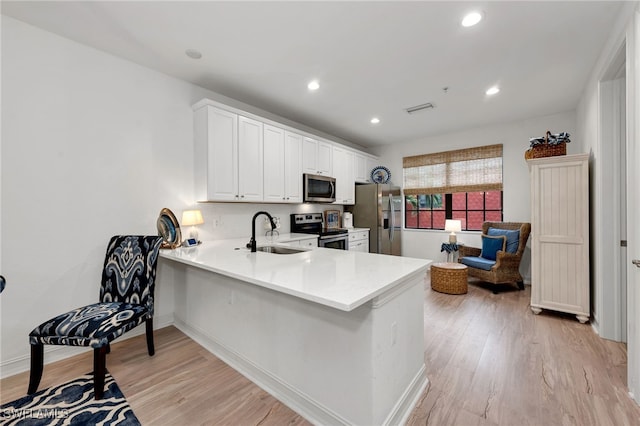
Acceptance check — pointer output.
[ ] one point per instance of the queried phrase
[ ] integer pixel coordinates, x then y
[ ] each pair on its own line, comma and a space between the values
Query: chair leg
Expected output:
37, 361
149, 328
99, 370
521, 285
108, 348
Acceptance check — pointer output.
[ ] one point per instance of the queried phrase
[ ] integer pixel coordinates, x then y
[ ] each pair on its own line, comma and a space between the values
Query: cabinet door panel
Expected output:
250, 159
310, 156
222, 155
360, 166
325, 158
274, 164
293, 167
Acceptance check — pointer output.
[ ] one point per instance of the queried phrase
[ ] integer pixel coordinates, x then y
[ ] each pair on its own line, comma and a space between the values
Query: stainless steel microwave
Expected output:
319, 189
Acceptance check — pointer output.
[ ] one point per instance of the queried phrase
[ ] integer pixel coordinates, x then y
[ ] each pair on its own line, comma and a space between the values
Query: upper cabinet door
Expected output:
317, 157
216, 159
325, 158
310, 155
250, 159
360, 167
345, 186
371, 163
293, 167
274, 164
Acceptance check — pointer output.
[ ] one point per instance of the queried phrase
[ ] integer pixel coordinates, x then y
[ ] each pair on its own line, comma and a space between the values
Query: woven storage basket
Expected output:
546, 150
450, 278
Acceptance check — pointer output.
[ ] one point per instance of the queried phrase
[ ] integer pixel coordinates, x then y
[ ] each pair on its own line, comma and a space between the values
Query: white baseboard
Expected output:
403, 409
53, 353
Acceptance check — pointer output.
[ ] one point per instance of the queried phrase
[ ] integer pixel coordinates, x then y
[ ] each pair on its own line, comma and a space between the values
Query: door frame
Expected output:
633, 203
610, 303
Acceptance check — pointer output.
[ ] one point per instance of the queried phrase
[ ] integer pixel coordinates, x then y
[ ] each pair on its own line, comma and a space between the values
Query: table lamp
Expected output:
453, 226
192, 218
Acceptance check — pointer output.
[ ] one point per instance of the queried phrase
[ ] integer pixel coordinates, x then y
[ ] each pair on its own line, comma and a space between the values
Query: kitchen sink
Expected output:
279, 250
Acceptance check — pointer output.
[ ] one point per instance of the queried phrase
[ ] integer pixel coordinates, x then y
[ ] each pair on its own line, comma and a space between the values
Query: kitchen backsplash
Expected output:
233, 220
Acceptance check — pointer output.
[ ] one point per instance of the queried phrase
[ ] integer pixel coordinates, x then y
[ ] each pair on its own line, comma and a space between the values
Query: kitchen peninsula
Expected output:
336, 335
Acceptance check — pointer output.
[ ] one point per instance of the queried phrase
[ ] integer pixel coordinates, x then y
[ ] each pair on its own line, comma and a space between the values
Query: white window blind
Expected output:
464, 170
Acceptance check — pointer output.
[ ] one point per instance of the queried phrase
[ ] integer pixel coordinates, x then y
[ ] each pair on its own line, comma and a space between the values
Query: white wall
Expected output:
92, 146
515, 139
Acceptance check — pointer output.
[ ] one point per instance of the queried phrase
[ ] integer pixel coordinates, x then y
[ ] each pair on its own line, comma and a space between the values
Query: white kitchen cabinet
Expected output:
362, 167
343, 160
292, 167
309, 242
231, 163
560, 235
273, 164
216, 154
317, 157
250, 159
228, 156
359, 240
371, 163
282, 165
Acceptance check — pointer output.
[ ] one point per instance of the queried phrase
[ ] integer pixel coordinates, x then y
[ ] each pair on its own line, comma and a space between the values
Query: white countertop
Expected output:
341, 279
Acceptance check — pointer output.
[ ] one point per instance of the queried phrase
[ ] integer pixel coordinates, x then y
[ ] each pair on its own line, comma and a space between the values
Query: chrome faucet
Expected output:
252, 242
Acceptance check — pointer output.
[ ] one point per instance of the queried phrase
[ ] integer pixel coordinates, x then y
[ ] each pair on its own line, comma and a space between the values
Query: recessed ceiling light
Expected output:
470, 19
375, 120
492, 90
193, 54
313, 85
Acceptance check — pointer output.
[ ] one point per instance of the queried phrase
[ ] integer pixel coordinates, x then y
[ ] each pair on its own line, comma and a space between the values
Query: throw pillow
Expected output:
491, 245
513, 237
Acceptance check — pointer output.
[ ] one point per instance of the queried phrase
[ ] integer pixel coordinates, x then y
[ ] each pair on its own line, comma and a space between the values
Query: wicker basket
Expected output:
546, 150
450, 278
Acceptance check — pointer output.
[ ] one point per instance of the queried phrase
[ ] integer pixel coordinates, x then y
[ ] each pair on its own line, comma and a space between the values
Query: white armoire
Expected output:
560, 234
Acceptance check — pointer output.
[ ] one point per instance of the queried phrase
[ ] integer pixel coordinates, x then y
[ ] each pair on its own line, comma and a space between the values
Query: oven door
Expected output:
340, 242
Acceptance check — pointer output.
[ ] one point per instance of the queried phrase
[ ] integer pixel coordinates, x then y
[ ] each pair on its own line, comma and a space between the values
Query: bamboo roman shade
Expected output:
464, 170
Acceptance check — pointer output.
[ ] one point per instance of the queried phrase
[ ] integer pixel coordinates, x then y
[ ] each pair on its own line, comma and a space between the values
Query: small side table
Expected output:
450, 278
451, 249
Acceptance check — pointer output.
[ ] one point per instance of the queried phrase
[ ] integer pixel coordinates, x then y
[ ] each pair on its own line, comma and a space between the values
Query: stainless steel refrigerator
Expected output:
379, 208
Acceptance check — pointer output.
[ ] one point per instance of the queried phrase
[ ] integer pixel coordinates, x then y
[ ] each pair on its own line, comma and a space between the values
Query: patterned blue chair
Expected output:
126, 301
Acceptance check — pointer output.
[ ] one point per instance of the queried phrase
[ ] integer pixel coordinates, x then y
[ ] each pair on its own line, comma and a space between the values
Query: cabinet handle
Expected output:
636, 262
242, 196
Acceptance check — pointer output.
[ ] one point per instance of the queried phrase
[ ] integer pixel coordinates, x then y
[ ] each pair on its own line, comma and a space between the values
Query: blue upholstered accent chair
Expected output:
502, 265
126, 301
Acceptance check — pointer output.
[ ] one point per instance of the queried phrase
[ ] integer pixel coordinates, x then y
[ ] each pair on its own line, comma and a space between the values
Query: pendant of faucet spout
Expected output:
252, 242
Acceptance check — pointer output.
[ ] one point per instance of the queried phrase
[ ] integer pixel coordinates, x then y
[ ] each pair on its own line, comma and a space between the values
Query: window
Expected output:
464, 184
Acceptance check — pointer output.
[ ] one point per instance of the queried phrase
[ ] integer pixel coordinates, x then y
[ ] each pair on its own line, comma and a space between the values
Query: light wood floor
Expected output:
490, 361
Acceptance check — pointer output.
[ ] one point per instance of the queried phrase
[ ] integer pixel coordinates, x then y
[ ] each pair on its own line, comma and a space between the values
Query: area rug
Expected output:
71, 403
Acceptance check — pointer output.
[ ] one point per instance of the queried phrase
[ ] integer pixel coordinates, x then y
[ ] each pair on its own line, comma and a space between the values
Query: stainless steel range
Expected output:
312, 223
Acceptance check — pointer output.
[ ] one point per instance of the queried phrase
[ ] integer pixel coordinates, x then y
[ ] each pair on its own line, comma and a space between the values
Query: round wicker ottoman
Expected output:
450, 278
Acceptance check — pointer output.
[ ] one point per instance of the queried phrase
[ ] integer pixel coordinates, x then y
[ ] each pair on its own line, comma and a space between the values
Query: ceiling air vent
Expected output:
417, 108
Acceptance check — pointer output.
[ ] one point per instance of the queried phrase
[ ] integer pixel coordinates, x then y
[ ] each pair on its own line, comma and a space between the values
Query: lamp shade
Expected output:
453, 225
192, 217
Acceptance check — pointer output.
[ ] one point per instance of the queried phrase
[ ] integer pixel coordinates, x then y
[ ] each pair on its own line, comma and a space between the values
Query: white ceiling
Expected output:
371, 58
